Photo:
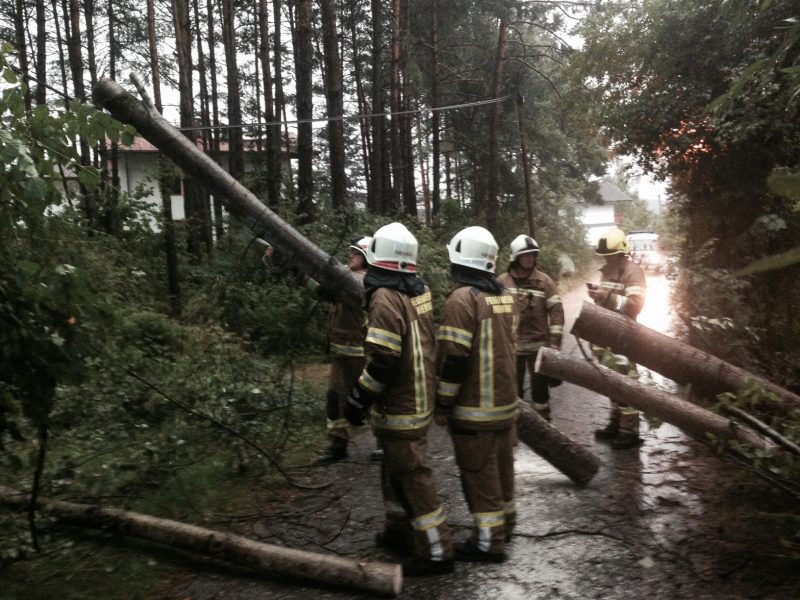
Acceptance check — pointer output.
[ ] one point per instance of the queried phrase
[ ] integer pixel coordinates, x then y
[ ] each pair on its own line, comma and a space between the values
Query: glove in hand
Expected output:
357, 407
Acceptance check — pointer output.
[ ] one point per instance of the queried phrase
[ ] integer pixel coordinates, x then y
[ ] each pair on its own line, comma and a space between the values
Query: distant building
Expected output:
596, 218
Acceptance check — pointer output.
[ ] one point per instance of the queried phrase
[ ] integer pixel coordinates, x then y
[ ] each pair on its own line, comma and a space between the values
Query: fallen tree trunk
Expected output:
572, 459
680, 362
242, 203
694, 420
383, 578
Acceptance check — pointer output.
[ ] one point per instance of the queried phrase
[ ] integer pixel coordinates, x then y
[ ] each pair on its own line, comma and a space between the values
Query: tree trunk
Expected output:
572, 459
235, 147
305, 148
211, 225
273, 129
423, 173
364, 123
279, 99
170, 244
680, 362
41, 52
375, 200
195, 233
250, 210
526, 171
334, 95
113, 157
76, 66
694, 420
20, 19
395, 106
435, 117
494, 120
215, 137
381, 578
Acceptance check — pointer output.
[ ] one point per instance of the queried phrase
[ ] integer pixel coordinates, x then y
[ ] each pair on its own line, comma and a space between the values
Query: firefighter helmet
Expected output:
474, 247
394, 248
361, 244
612, 241
523, 244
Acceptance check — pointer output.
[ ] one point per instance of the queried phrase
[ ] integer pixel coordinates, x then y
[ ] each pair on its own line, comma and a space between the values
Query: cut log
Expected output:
675, 360
694, 420
242, 203
382, 578
572, 459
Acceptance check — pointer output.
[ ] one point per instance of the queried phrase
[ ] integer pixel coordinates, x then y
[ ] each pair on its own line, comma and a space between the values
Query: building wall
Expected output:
597, 219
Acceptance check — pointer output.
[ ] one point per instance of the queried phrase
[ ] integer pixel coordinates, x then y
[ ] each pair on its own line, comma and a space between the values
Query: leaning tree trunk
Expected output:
308, 257
680, 362
382, 578
694, 420
572, 459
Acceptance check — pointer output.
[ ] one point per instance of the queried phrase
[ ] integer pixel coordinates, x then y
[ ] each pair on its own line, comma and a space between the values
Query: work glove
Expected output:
357, 407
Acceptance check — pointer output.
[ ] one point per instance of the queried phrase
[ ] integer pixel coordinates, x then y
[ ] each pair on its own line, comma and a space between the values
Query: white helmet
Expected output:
474, 247
394, 248
361, 244
523, 244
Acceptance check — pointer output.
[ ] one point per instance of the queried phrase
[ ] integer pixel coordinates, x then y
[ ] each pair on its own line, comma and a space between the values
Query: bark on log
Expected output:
383, 578
572, 459
680, 362
693, 419
242, 203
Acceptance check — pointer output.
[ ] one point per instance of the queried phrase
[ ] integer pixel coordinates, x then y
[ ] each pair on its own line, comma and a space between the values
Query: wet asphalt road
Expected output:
667, 520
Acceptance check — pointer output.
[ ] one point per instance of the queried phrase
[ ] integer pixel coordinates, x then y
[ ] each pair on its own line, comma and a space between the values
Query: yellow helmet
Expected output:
612, 241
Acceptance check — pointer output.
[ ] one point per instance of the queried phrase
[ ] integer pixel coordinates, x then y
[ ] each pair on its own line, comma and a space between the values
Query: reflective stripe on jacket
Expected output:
402, 326
480, 326
627, 286
541, 313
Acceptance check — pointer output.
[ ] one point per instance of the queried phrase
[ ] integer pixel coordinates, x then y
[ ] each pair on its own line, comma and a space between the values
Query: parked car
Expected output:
644, 250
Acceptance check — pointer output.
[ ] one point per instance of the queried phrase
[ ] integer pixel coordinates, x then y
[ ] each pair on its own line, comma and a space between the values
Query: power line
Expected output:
353, 117
303, 121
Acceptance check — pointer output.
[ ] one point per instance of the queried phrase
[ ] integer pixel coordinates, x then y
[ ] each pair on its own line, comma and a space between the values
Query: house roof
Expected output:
611, 193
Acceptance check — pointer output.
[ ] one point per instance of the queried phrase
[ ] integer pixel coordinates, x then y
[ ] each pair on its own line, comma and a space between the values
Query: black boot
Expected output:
396, 541
607, 433
467, 551
625, 440
334, 453
543, 410
416, 566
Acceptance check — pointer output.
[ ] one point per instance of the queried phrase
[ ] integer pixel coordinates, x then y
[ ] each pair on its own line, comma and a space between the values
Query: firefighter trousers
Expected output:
486, 462
410, 497
343, 376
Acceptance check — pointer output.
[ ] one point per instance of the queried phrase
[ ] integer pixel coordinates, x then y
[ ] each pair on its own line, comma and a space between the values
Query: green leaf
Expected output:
88, 176
35, 189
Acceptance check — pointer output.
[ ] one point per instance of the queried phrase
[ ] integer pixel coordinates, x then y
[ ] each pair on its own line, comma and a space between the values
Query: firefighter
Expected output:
541, 317
622, 289
476, 393
396, 390
346, 331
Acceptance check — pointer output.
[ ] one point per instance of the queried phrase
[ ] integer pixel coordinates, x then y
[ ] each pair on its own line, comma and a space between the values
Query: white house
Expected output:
138, 166
599, 217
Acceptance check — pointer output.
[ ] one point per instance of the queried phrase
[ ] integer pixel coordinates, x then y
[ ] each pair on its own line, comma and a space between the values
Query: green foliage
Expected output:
718, 115
778, 463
